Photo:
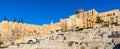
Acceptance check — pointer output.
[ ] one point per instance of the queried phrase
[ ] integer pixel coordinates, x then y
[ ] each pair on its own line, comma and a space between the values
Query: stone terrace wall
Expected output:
14, 30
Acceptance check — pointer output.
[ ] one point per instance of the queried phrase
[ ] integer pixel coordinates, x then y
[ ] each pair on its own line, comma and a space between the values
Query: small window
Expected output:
57, 30
107, 14
113, 13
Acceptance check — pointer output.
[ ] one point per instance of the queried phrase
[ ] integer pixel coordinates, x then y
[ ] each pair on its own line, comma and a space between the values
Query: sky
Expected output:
41, 12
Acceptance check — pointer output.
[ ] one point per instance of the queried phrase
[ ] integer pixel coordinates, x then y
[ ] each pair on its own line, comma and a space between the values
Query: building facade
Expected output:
88, 19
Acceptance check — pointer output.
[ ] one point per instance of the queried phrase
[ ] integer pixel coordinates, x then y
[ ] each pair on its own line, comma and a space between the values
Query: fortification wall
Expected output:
14, 30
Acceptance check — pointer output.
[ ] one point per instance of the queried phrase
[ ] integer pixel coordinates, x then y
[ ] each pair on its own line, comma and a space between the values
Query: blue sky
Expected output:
44, 11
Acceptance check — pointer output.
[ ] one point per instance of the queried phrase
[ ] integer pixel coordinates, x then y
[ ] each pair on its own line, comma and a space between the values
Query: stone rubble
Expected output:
97, 38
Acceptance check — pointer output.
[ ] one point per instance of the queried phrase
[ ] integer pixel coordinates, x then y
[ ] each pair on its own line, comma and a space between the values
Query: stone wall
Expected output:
88, 19
14, 30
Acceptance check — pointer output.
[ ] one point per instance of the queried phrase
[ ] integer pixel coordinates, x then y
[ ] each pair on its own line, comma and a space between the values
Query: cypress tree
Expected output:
21, 20
5, 19
14, 20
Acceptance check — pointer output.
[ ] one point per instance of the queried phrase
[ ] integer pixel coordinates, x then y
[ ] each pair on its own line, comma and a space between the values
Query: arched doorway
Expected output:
30, 42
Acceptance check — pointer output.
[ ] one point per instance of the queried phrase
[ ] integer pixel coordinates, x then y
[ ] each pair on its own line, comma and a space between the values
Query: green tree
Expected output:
92, 23
116, 20
99, 20
21, 20
87, 22
14, 20
5, 19
77, 27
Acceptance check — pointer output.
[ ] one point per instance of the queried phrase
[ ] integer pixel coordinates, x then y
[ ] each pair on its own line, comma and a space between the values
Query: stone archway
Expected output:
30, 41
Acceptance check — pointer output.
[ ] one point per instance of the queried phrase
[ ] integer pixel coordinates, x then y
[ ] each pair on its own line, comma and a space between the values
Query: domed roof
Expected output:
79, 10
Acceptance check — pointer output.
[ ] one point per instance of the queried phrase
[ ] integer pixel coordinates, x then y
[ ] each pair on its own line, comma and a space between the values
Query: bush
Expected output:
114, 23
89, 27
80, 29
82, 47
77, 27
106, 25
109, 43
1, 43
70, 43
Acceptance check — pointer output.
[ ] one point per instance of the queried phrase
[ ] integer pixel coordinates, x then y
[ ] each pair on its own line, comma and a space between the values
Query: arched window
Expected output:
113, 14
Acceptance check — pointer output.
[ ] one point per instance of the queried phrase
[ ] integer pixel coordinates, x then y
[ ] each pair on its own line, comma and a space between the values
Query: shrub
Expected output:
99, 20
82, 47
114, 23
1, 43
109, 43
77, 27
80, 29
70, 43
5, 19
95, 48
106, 25
88, 27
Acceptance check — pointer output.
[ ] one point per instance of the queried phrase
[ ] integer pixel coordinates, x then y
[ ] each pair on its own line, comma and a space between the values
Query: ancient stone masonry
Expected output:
99, 38
10, 31
82, 19
88, 19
